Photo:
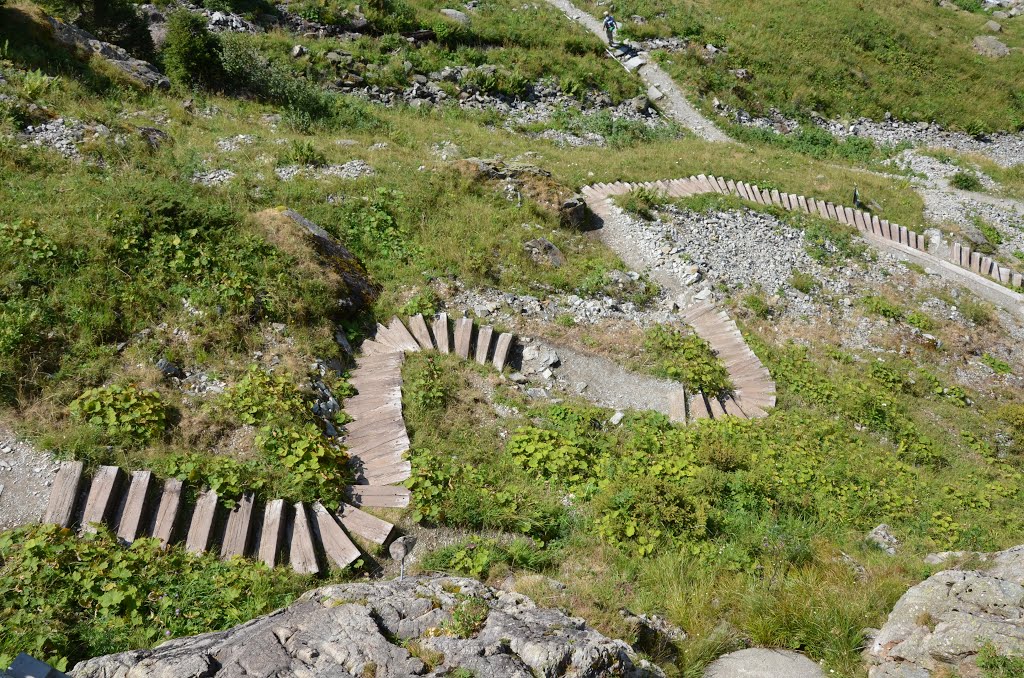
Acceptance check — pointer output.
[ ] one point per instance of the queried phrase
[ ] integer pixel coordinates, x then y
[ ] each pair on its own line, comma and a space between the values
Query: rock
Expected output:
654, 634
402, 547
763, 663
741, 74
140, 72
654, 94
1002, 16
543, 251
640, 104
993, 26
153, 137
990, 46
299, 51
616, 418
939, 625
366, 629
573, 212
883, 538
170, 369
456, 15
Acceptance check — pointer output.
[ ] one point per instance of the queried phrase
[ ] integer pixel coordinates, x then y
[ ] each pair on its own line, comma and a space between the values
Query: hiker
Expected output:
609, 28
856, 198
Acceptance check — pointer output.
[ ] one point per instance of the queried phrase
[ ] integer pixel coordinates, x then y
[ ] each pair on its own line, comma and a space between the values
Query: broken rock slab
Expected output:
990, 46
939, 625
366, 629
137, 71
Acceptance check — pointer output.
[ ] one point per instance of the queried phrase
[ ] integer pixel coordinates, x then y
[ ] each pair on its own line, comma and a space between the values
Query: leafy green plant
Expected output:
125, 413
641, 202
758, 304
427, 387
830, 243
468, 617
882, 307
374, 228
425, 302
965, 181
301, 461
303, 152
921, 321
477, 557
687, 358
65, 598
998, 366
804, 282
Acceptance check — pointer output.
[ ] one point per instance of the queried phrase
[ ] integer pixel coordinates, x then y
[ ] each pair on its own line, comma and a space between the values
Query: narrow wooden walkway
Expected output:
309, 537
377, 438
957, 262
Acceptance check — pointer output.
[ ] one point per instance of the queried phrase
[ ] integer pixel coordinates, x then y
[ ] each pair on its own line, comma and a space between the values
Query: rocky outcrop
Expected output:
416, 626
939, 625
137, 71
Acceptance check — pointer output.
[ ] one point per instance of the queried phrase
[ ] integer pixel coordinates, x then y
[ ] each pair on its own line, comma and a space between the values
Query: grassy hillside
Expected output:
740, 532
842, 59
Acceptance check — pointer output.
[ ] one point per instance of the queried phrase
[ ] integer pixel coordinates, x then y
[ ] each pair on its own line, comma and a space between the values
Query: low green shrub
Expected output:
758, 304
687, 358
303, 152
191, 53
125, 413
65, 598
830, 243
804, 282
921, 321
965, 181
882, 307
477, 557
998, 366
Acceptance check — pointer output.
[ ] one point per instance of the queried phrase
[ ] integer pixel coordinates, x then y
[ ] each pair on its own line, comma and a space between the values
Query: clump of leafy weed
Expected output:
126, 413
687, 358
965, 181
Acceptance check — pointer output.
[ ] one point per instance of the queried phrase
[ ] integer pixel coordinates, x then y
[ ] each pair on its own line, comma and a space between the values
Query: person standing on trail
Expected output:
609, 28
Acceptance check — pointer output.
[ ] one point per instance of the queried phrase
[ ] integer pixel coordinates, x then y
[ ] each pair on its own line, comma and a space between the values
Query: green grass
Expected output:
842, 60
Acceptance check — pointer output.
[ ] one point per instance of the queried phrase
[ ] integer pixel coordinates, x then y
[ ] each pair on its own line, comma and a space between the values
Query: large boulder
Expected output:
397, 628
759, 662
939, 626
990, 46
140, 72
319, 254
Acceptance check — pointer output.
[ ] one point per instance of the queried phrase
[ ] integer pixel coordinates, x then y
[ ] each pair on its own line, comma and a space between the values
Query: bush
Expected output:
965, 181
687, 358
192, 54
115, 21
64, 598
641, 202
124, 412
804, 282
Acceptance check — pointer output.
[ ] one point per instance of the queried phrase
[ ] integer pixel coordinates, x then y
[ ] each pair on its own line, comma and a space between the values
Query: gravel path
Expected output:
25, 479
674, 103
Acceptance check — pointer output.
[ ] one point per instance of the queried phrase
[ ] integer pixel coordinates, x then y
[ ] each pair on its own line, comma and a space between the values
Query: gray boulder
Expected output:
545, 252
456, 15
993, 26
383, 629
136, 70
758, 662
940, 624
990, 46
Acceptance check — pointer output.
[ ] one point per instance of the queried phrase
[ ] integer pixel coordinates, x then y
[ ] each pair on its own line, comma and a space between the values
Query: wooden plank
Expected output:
301, 552
270, 534
64, 494
201, 527
102, 493
776, 200
677, 406
732, 408
716, 407
371, 347
338, 547
822, 210
167, 514
405, 339
831, 209
384, 496
134, 506
441, 333
802, 202
236, 535
698, 408
363, 524
501, 350
385, 336
483, 343
732, 187
420, 332
387, 475
463, 336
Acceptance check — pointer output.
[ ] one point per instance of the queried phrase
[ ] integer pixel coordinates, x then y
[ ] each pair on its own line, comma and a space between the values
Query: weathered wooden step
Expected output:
420, 332
64, 494
677, 406
406, 340
302, 553
483, 343
201, 527
236, 535
699, 408
338, 547
441, 333
463, 336
130, 525
167, 513
271, 532
383, 496
102, 495
363, 524
501, 350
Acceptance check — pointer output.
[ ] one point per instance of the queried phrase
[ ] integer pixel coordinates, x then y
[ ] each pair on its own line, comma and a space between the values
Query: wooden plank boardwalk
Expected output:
306, 536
